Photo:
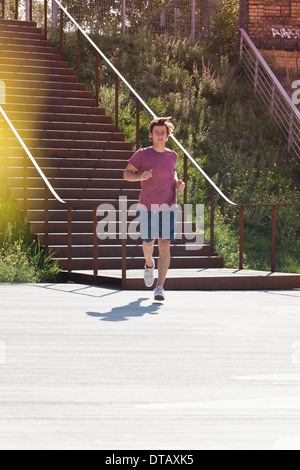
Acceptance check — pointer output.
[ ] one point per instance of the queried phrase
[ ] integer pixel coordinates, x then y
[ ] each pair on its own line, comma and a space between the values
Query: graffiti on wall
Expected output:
286, 33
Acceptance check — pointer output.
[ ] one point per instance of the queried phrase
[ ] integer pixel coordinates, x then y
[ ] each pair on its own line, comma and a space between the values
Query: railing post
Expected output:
124, 263
5, 151
95, 239
290, 131
46, 18
69, 238
137, 124
123, 233
185, 178
27, 8
212, 220
241, 48
193, 21
25, 184
3, 9
46, 228
256, 74
272, 99
16, 9
241, 265
78, 55
54, 12
97, 79
273, 268
30, 10
117, 102
123, 16
62, 34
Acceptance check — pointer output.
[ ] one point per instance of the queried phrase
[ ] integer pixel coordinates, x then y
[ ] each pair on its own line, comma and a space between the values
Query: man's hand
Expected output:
146, 175
180, 185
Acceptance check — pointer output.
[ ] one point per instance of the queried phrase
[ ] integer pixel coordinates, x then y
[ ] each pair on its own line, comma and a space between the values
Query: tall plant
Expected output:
225, 26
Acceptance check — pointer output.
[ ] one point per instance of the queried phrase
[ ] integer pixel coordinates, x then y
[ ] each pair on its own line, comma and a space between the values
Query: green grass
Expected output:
22, 260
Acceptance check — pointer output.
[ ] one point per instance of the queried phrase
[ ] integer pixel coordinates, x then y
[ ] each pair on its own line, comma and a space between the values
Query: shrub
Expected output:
22, 259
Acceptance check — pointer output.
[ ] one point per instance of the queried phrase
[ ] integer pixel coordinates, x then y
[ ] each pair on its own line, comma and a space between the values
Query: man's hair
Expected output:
162, 121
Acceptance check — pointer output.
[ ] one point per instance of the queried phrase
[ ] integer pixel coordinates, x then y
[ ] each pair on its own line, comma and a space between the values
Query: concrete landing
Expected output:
85, 367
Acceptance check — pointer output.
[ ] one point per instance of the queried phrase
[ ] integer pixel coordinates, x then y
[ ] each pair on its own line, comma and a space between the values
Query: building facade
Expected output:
274, 27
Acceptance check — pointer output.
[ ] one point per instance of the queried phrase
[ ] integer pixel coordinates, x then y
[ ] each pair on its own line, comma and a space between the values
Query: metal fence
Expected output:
178, 18
271, 93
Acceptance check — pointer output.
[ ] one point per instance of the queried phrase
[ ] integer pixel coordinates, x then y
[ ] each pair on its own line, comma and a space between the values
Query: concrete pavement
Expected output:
96, 368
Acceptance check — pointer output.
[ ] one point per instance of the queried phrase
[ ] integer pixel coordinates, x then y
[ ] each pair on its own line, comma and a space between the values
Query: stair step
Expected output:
77, 144
50, 100
47, 126
23, 42
29, 48
71, 145
115, 251
16, 29
137, 263
29, 62
18, 75
15, 55
65, 164
80, 194
79, 172
19, 23
40, 118
66, 154
38, 203
21, 93
74, 183
24, 35
46, 85
80, 135
56, 109
36, 70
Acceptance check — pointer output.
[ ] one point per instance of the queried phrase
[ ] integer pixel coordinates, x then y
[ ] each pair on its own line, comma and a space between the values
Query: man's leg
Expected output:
148, 253
163, 260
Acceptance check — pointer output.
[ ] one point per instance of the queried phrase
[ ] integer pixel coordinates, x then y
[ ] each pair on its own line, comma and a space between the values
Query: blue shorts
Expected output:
159, 224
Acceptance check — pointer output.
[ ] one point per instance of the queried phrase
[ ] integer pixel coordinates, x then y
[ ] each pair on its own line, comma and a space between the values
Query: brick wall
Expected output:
274, 27
282, 61
274, 19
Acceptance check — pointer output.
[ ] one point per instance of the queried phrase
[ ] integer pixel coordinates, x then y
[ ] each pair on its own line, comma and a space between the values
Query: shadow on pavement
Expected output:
123, 313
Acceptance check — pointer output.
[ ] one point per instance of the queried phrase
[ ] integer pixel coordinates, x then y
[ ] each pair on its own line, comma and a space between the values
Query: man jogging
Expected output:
155, 167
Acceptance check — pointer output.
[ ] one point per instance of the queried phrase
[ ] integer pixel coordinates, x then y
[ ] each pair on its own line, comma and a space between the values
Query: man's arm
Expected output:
180, 185
130, 174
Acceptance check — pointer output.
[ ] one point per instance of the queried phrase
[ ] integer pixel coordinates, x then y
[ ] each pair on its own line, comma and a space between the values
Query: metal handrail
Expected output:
134, 92
28, 153
271, 92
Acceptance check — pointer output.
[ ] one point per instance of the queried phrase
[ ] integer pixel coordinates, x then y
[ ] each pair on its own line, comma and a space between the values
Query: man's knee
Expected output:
164, 245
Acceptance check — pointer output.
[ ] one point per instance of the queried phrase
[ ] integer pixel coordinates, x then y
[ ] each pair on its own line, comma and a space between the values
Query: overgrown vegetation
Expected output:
219, 122
21, 258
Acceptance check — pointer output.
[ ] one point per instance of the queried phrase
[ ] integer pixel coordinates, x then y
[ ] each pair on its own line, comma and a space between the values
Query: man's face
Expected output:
159, 135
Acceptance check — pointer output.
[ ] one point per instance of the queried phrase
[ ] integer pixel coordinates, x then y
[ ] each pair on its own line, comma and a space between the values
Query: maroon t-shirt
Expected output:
159, 192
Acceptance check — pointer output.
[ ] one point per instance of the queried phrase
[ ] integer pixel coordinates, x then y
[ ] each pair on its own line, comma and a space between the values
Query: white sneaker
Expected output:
159, 293
149, 275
